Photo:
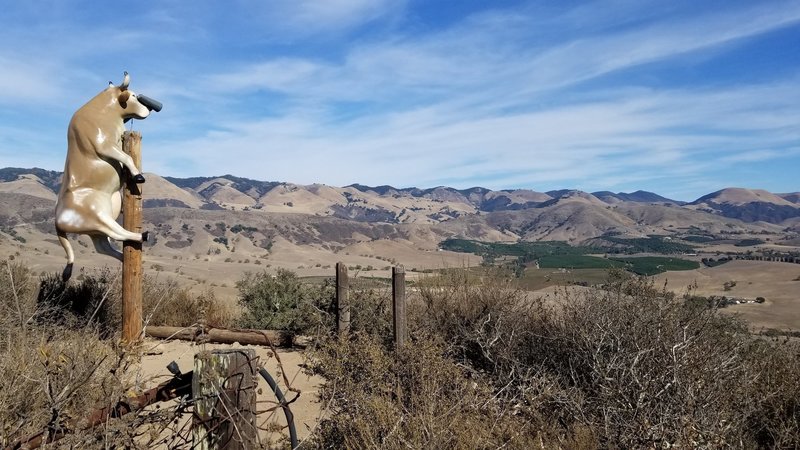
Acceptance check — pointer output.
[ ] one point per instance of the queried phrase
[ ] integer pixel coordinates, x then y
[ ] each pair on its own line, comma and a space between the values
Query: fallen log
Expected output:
221, 335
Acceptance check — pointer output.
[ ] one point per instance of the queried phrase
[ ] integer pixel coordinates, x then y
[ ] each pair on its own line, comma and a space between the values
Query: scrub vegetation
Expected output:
626, 366
630, 366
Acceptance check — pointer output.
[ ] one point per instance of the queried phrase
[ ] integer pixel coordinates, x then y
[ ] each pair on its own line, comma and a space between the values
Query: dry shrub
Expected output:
17, 288
51, 378
636, 365
371, 311
91, 300
479, 314
652, 370
53, 374
627, 366
415, 398
284, 302
166, 303
95, 298
442, 389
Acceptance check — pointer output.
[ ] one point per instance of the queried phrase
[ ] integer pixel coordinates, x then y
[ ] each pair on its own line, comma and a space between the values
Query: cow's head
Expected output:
132, 106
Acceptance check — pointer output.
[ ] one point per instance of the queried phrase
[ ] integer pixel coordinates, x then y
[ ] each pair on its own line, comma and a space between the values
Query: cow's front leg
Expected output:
115, 152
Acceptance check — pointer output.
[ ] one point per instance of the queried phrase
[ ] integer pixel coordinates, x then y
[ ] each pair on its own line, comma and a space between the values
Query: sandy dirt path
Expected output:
306, 409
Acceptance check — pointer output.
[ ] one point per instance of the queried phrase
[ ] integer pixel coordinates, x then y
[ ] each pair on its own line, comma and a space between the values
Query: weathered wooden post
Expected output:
342, 303
224, 389
399, 305
132, 251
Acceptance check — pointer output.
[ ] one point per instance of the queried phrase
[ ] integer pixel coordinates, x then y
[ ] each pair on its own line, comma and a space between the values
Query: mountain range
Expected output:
215, 215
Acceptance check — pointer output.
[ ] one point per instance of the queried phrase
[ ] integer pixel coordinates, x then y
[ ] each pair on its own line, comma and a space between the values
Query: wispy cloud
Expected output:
496, 54
534, 95
618, 140
332, 14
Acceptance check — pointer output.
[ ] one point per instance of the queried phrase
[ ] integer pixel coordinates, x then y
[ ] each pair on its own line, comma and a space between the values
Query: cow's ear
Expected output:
123, 98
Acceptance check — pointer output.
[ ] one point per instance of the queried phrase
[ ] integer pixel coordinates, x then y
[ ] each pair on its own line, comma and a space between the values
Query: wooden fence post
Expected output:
399, 305
132, 251
342, 303
224, 388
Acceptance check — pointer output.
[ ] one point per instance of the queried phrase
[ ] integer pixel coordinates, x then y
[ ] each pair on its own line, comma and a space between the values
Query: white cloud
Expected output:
489, 64
21, 81
497, 98
288, 19
337, 13
603, 141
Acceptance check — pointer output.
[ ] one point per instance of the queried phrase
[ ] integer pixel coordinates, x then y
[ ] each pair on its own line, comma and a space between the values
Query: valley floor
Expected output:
778, 283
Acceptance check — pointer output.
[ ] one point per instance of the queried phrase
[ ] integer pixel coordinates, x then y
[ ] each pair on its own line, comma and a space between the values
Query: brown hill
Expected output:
340, 217
29, 184
222, 192
749, 205
740, 196
210, 230
793, 197
574, 217
159, 192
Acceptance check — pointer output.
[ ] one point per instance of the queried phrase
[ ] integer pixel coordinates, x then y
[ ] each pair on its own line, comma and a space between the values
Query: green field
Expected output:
560, 255
577, 262
651, 244
643, 265
535, 279
698, 239
522, 249
748, 242
653, 265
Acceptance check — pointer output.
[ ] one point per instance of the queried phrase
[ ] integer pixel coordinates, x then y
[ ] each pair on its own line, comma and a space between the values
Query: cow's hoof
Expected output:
138, 179
145, 235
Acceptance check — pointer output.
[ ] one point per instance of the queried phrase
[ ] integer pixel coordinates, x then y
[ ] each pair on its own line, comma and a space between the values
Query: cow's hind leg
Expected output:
115, 231
103, 246
62, 238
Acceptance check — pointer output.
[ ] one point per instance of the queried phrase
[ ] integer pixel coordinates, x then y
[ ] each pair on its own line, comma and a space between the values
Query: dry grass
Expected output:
53, 373
417, 398
61, 359
773, 280
630, 366
95, 298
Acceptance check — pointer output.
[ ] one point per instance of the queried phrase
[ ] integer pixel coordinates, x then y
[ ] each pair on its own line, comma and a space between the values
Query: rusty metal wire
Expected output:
163, 417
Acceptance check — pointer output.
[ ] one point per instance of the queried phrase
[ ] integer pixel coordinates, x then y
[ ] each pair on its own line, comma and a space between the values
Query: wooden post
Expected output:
132, 251
342, 304
399, 305
224, 388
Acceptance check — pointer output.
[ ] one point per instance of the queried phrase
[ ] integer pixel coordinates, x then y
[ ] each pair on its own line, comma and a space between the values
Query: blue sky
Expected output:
681, 98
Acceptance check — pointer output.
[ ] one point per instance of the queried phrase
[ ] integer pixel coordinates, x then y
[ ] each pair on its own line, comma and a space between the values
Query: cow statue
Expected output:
89, 200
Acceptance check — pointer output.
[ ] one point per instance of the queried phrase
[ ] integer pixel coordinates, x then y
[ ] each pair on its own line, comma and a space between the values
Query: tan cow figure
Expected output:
90, 201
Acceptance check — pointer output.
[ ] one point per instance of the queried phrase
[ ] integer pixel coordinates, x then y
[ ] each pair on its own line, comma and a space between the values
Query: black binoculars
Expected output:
149, 103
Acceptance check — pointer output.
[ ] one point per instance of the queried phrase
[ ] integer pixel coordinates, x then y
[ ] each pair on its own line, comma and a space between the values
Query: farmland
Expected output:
560, 255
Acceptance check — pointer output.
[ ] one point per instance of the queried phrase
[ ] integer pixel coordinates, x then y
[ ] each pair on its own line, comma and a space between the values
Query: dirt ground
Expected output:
778, 283
306, 410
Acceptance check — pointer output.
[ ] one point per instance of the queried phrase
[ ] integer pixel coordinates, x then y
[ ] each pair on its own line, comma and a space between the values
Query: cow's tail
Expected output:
62, 238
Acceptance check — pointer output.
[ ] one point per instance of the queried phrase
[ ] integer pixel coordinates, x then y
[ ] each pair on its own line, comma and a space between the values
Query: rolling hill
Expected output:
229, 222
749, 205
